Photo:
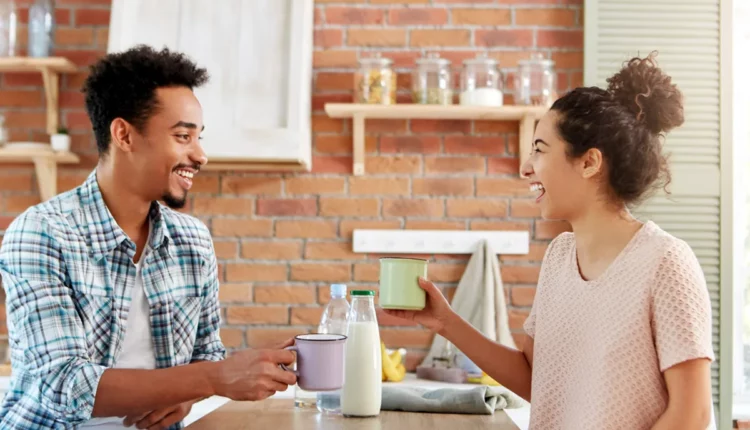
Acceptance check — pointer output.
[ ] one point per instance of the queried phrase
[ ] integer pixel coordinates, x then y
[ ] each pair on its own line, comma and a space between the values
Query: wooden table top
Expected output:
280, 414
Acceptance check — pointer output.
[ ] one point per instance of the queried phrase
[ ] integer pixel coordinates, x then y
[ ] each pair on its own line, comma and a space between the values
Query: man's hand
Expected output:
284, 344
254, 374
160, 419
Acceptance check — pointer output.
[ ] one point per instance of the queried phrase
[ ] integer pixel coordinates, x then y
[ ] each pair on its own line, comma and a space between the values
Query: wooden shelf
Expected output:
50, 68
525, 115
45, 164
33, 64
253, 165
418, 111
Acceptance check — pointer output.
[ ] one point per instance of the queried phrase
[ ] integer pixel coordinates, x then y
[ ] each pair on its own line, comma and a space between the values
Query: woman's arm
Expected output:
682, 328
689, 387
508, 366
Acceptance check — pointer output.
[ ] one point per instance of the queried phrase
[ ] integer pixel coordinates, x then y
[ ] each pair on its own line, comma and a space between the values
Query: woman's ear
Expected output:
592, 163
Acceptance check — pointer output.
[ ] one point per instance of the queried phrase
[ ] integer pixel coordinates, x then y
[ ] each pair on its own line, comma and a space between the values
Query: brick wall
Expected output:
283, 238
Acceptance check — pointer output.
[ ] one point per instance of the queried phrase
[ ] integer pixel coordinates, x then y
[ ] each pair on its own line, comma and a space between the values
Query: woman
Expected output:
619, 335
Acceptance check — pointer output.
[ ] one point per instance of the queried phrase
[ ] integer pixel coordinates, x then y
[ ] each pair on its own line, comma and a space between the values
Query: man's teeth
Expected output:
536, 187
185, 174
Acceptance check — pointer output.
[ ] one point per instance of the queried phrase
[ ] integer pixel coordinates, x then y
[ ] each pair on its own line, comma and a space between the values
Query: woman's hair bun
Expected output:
649, 93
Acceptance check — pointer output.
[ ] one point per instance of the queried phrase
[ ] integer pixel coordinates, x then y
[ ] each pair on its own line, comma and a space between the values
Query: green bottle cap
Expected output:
363, 293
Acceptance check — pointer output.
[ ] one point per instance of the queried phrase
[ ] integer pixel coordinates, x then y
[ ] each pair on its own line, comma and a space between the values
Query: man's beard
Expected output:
174, 202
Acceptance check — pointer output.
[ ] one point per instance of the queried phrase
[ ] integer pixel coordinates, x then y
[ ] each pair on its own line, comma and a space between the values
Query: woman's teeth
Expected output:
538, 188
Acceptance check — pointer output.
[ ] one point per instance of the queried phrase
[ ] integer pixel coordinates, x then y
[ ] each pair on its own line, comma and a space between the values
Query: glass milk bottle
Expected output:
361, 395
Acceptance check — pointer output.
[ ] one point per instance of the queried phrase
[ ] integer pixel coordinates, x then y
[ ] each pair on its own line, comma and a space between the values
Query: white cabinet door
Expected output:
258, 53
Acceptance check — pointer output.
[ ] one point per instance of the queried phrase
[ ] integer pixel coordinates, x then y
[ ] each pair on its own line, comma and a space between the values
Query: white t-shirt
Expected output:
137, 348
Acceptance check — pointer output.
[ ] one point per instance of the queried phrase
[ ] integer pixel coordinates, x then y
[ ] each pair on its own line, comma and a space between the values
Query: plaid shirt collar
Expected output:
105, 234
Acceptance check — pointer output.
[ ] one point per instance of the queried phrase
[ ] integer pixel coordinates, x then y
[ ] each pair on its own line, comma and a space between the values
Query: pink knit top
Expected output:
600, 346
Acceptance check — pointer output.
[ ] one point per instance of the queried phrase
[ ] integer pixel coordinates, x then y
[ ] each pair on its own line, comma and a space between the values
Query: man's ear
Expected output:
121, 134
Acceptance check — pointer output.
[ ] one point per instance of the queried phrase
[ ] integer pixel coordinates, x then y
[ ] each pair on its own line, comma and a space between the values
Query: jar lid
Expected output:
481, 58
363, 293
536, 59
433, 58
376, 59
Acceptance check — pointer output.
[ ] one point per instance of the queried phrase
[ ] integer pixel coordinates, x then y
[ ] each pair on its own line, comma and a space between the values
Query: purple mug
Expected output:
320, 361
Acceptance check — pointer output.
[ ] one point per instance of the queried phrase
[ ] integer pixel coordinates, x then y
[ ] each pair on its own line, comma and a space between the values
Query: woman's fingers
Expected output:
407, 315
429, 288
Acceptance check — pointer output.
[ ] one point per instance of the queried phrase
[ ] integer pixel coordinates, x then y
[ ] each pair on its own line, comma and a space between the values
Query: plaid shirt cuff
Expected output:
70, 391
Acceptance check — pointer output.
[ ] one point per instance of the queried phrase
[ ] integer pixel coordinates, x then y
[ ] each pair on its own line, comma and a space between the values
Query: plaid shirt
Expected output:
67, 269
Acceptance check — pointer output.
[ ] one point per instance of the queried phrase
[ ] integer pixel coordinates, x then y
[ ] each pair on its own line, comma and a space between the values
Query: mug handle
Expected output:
296, 350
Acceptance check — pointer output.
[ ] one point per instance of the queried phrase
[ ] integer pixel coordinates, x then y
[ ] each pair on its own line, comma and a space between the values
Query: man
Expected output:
112, 297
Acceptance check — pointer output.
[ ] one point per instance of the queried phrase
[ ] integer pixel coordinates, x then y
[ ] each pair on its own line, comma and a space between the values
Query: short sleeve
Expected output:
681, 311
529, 325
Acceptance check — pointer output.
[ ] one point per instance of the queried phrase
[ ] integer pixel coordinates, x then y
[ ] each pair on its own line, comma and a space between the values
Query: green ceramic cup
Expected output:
399, 287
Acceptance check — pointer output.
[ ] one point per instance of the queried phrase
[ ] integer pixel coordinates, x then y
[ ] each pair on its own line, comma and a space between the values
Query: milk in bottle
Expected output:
361, 394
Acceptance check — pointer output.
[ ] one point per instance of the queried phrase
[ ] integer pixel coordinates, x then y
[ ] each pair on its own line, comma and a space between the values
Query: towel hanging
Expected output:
480, 300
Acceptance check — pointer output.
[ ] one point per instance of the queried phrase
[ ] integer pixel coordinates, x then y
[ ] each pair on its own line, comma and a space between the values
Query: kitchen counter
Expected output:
281, 414
518, 419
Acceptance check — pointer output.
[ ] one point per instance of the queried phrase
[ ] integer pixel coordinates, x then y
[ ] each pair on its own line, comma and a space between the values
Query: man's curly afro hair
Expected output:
123, 85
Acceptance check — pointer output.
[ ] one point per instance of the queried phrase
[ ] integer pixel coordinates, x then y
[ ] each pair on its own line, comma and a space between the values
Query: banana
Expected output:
395, 357
384, 377
400, 373
401, 369
487, 380
389, 367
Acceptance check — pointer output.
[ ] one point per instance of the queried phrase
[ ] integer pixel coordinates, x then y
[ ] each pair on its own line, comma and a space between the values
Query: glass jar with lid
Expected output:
431, 81
8, 28
3, 131
481, 82
375, 81
536, 81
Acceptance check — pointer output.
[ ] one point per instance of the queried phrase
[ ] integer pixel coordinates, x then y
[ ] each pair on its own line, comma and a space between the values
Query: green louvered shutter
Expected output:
687, 35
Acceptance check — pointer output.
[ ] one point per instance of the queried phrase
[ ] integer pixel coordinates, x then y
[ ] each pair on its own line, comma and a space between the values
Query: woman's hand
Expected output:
436, 314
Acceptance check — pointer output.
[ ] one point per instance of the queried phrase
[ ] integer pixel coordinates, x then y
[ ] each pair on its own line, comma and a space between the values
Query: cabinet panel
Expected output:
256, 105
